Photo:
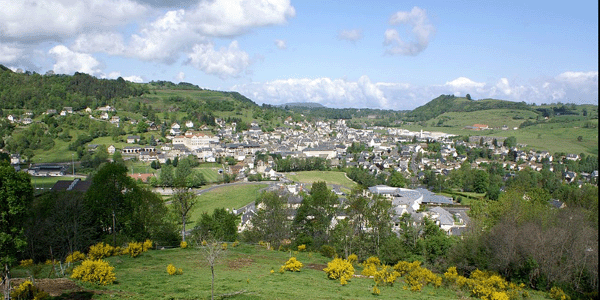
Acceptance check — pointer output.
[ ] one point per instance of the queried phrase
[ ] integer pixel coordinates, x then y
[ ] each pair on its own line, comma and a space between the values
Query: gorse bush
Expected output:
171, 270
385, 276
75, 257
340, 269
27, 291
485, 285
101, 250
403, 267
134, 249
26, 262
292, 265
352, 258
557, 293
301, 247
184, 244
419, 277
147, 245
95, 271
370, 266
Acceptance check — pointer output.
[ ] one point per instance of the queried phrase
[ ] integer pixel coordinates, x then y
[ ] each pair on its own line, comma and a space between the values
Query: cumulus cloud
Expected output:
351, 35
56, 20
281, 44
9, 53
422, 30
180, 77
68, 61
569, 87
225, 63
327, 91
134, 78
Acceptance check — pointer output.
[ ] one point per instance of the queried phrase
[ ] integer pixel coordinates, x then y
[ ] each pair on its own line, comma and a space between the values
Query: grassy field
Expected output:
330, 177
229, 196
246, 270
39, 182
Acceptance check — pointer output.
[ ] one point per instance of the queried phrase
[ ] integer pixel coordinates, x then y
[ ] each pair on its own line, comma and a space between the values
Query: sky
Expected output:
364, 54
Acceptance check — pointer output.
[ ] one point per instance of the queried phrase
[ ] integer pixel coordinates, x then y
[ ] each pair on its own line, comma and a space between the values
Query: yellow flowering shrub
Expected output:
339, 269
385, 276
171, 270
147, 245
224, 246
370, 266
404, 267
557, 293
302, 247
184, 244
26, 262
235, 244
134, 249
95, 271
75, 257
375, 290
352, 258
486, 285
204, 243
27, 291
419, 277
102, 250
292, 265
52, 262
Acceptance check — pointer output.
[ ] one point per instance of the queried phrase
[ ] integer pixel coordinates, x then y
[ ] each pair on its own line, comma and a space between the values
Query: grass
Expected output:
228, 196
39, 182
244, 269
330, 177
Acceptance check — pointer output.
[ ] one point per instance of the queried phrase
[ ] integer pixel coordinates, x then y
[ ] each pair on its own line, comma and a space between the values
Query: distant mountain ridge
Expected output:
451, 103
302, 104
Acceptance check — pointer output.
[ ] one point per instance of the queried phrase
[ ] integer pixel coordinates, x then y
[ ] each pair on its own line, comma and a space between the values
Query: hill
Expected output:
302, 104
451, 103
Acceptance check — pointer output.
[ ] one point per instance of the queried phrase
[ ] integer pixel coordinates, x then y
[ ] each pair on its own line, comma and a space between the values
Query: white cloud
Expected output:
134, 78
109, 42
9, 53
50, 20
233, 17
404, 96
225, 63
68, 62
327, 91
180, 77
281, 44
352, 35
422, 30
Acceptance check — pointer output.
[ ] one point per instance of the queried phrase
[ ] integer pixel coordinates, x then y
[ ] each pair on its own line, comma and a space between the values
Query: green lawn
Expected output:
39, 182
229, 196
330, 177
246, 270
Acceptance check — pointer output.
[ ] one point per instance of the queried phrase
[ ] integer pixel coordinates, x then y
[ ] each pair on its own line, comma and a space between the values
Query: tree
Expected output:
468, 97
510, 142
396, 179
107, 197
166, 175
221, 226
184, 201
270, 223
213, 252
16, 195
314, 215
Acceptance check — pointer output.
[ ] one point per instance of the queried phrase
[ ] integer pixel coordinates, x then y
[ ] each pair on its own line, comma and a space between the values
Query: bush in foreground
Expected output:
340, 269
27, 291
95, 271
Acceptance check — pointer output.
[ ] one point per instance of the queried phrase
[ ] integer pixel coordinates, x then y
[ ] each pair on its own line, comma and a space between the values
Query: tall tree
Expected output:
184, 202
270, 223
107, 197
314, 215
16, 195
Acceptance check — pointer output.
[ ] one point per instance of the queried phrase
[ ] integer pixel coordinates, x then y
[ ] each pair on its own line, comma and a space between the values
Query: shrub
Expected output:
27, 290
134, 249
184, 244
75, 257
375, 290
292, 265
557, 293
370, 266
26, 262
328, 251
485, 285
302, 247
147, 245
339, 269
385, 276
101, 250
95, 271
235, 244
403, 267
224, 246
419, 277
171, 270
352, 258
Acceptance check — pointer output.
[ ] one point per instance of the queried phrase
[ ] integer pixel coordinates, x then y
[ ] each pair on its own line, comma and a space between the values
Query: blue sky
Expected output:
376, 54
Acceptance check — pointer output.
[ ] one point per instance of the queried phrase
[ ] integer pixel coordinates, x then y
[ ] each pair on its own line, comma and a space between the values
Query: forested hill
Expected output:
38, 93
451, 103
